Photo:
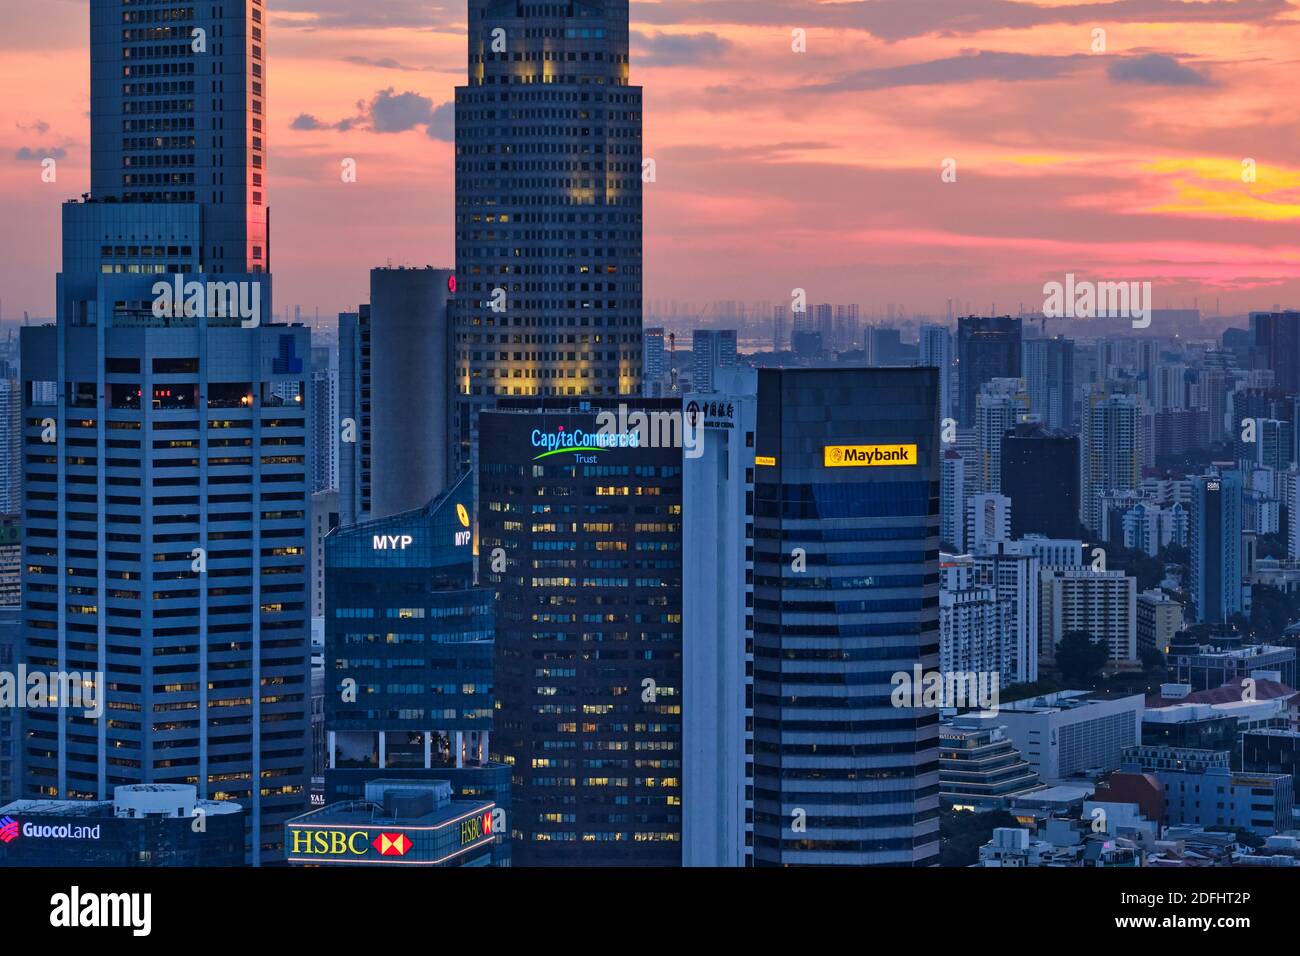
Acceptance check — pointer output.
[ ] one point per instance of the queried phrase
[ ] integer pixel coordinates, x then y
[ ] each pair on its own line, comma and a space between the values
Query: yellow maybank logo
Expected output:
462, 514
857, 456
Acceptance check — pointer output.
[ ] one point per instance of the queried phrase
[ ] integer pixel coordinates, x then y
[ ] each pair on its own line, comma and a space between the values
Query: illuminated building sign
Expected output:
475, 828
561, 441
767, 460
868, 456
391, 542
329, 842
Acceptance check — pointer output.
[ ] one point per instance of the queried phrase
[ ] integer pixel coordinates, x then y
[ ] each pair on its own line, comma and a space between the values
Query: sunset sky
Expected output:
776, 169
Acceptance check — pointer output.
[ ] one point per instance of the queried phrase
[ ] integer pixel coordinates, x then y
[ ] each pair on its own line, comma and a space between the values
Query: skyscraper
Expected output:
324, 417
1215, 547
410, 393
548, 207
1002, 403
1048, 369
1277, 339
170, 544
580, 535
988, 347
846, 594
1111, 450
407, 626
718, 625
356, 386
935, 346
1040, 474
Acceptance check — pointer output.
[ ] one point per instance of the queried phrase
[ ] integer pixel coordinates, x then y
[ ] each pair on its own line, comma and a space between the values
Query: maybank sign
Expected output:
867, 456
561, 440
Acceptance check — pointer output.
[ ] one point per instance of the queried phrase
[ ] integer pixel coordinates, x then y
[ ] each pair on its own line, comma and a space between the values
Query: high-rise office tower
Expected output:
410, 388
324, 417
718, 624
580, 535
935, 347
178, 134
548, 207
1111, 451
1002, 403
846, 594
1040, 474
1277, 339
654, 362
711, 350
406, 623
1216, 547
1048, 369
355, 394
988, 347
168, 519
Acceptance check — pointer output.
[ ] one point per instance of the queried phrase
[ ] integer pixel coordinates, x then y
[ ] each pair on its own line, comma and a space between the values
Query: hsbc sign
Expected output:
343, 844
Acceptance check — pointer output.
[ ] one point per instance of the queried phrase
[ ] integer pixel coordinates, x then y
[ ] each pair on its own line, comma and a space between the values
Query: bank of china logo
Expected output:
392, 844
8, 829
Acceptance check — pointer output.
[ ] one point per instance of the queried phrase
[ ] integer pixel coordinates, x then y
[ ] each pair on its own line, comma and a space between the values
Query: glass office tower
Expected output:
846, 595
582, 541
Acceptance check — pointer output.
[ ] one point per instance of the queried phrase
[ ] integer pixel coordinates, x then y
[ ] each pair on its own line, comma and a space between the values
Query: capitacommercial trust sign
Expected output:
577, 441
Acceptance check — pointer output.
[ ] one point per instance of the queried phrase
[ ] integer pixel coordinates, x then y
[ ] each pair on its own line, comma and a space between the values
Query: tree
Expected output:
1080, 659
1153, 662
962, 833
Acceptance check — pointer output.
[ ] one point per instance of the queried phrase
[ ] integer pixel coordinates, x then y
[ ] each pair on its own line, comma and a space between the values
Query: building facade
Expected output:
846, 594
548, 242
580, 536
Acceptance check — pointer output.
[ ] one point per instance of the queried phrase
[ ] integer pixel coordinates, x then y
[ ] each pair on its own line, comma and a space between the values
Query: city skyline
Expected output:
1144, 141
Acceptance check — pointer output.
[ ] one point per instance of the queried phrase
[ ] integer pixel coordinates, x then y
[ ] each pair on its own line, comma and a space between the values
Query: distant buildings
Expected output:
711, 350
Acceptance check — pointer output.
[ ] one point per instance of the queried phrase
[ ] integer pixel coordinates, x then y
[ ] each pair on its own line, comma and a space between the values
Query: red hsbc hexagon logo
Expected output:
392, 844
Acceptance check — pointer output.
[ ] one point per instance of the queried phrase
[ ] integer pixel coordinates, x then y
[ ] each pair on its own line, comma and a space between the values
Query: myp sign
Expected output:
391, 542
